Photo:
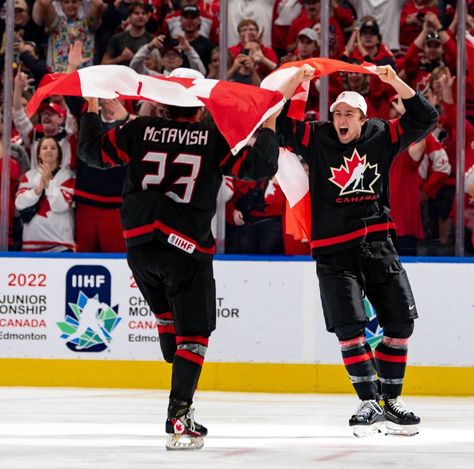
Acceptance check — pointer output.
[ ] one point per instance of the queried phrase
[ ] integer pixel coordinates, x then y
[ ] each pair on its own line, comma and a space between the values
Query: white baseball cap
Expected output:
353, 99
309, 33
186, 73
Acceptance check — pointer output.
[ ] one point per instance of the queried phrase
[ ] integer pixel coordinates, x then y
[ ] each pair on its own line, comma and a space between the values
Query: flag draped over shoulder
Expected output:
237, 109
291, 175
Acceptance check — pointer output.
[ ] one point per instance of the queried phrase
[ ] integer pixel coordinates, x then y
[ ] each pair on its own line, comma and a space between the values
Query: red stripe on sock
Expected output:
190, 356
364, 357
169, 329
390, 358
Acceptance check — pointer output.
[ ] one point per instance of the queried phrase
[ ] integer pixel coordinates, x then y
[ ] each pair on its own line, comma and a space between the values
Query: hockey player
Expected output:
175, 169
352, 231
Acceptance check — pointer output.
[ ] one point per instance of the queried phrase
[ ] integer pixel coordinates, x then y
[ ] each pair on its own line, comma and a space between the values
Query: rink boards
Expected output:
81, 321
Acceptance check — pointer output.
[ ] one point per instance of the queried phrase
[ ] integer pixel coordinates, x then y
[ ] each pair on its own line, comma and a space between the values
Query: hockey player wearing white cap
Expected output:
351, 240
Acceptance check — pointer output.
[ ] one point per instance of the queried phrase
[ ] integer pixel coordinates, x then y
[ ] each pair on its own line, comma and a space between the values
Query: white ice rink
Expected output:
50, 428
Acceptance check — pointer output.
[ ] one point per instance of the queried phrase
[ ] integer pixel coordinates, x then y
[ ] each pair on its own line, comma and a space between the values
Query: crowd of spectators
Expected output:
58, 203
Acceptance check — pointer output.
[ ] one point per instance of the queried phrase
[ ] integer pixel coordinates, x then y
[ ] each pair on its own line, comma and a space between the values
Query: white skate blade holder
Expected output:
394, 429
361, 431
183, 442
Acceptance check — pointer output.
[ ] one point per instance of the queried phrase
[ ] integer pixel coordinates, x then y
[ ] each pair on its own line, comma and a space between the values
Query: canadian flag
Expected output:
294, 183
237, 109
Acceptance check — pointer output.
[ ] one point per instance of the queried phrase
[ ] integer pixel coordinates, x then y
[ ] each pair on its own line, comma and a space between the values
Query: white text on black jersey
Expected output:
171, 135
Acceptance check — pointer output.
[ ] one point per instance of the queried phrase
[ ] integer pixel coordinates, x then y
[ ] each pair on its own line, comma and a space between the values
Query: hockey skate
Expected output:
183, 432
398, 419
368, 419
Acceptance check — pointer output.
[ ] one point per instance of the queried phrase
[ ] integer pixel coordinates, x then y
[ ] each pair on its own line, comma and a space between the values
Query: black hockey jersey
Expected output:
173, 176
349, 182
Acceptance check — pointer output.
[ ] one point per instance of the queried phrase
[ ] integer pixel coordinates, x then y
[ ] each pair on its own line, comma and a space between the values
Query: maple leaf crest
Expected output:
44, 207
355, 175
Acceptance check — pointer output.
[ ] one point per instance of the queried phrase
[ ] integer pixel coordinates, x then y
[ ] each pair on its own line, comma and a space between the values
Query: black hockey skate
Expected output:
368, 419
183, 432
398, 419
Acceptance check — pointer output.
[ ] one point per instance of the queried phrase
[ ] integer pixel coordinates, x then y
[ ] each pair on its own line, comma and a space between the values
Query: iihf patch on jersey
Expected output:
355, 175
89, 319
181, 243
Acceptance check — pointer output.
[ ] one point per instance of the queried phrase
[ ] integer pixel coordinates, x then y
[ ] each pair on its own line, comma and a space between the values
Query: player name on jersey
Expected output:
181, 136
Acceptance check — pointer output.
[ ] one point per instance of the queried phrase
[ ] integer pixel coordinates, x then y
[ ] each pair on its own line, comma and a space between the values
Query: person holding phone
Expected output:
412, 18
248, 30
244, 67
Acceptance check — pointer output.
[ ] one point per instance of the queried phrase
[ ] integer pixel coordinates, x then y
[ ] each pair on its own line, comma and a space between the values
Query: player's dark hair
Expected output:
175, 112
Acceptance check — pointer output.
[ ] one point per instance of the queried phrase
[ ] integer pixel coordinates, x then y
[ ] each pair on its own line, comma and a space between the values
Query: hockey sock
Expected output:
187, 365
391, 357
358, 360
167, 333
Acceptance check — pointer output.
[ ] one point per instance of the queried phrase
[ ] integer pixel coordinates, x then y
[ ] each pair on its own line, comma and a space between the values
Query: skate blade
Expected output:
184, 442
362, 431
394, 429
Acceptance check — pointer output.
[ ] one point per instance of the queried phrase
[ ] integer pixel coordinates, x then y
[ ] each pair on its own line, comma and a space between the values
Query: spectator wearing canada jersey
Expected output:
44, 200
175, 169
349, 160
430, 49
428, 159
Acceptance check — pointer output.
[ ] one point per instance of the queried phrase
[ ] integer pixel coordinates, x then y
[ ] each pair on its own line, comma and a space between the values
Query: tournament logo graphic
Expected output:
89, 318
355, 175
373, 331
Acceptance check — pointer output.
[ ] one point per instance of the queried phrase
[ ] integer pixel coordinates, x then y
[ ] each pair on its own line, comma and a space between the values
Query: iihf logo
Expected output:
89, 318
355, 175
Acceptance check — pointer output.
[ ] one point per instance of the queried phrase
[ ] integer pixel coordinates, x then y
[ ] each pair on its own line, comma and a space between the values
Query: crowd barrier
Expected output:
80, 320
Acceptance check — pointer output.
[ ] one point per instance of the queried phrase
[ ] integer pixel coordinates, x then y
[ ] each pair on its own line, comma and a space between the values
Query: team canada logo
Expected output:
355, 175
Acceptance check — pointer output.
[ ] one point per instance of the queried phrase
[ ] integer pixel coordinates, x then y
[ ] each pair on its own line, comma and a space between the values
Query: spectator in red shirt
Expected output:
284, 12
431, 48
248, 31
411, 20
311, 15
377, 94
369, 45
307, 46
450, 107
